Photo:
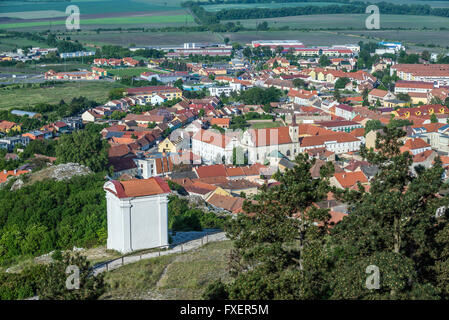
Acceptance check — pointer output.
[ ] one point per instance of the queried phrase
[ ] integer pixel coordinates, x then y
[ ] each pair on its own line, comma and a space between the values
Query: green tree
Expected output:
324, 61
116, 93
433, 118
271, 258
392, 227
341, 83
53, 286
373, 125
85, 148
298, 83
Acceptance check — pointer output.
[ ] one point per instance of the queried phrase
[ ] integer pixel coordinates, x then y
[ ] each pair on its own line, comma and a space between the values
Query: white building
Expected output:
338, 143
345, 111
259, 143
137, 214
218, 91
214, 147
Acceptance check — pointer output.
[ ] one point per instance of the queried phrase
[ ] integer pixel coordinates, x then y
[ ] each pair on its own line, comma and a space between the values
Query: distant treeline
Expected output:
215, 2
212, 18
384, 8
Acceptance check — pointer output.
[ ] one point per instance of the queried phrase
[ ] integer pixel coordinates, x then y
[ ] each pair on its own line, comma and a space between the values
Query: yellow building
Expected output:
166, 146
7, 126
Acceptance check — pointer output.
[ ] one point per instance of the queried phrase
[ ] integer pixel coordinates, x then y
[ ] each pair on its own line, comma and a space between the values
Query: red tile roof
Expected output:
412, 144
139, 187
216, 170
349, 179
4, 175
232, 204
264, 137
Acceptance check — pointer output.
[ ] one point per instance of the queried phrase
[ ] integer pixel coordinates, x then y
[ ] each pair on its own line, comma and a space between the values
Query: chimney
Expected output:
15, 171
4, 171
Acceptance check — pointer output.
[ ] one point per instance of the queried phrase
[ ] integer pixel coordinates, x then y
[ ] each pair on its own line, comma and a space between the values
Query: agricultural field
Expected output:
422, 37
22, 97
94, 14
433, 4
356, 21
125, 38
8, 44
88, 7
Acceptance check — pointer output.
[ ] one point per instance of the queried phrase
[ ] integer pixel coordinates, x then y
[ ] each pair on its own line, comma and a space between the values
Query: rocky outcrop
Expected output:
60, 172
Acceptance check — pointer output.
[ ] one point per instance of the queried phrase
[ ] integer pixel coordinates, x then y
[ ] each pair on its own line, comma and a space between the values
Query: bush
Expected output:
216, 291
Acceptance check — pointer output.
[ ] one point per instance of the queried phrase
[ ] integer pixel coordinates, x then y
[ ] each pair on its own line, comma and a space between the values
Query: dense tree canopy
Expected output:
85, 148
48, 215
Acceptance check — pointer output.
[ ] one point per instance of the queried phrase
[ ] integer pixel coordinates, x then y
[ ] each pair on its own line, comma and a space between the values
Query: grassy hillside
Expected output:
177, 276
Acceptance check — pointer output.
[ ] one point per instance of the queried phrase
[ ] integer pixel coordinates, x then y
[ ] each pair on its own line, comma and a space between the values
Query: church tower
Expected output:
293, 130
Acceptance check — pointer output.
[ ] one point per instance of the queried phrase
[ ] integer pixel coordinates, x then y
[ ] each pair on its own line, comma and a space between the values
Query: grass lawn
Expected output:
176, 276
127, 71
14, 98
269, 124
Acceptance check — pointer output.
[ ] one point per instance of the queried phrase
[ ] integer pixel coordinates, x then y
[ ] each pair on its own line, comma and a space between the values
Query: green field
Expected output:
8, 44
44, 15
164, 19
433, 4
16, 98
127, 71
90, 6
264, 125
356, 21
175, 276
425, 37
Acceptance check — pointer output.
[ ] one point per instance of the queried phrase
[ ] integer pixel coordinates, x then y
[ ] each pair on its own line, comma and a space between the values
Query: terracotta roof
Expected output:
232, 204
212, 137
264, 137
4, 175
359, 132
216, 170
412, 144
414, 84
6, 125
138, 187
234, 171
199, 187
220, 121
118, 150
340, 137
421, 157
315, 170
378, 93
349, 179
121, 164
